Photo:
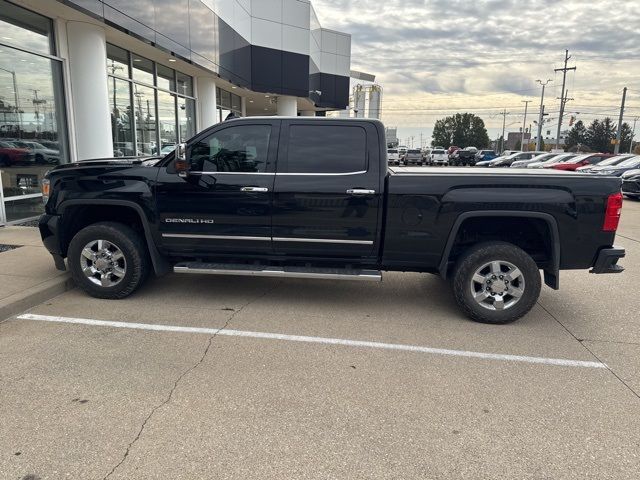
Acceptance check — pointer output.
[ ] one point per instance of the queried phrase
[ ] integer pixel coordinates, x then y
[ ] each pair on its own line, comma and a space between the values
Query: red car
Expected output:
12, 155
452, 149
581, 161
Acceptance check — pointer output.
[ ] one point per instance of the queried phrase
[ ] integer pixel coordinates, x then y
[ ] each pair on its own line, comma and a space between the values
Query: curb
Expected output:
30, 297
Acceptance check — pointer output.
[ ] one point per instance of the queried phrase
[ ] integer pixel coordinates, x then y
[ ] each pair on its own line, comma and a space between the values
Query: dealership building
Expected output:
86, 79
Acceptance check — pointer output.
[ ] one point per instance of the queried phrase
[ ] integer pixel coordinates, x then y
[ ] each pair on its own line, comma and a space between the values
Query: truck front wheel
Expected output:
496, 282
108, 260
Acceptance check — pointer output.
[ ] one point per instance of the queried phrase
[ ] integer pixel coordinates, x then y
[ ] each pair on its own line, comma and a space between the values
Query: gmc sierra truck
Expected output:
314, 198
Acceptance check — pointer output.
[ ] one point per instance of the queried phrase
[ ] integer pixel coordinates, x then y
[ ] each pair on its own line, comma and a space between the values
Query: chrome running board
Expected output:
282, 272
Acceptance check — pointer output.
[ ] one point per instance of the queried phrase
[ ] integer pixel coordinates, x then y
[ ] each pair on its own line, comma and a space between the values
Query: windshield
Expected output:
438, 152
613, 161
544, 157
579, 158
630, 162
414, 151
392, 151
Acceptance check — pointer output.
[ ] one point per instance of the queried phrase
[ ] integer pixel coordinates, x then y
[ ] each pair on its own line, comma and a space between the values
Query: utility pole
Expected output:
541, 116
504, 122
524, 125
616, 148
563, 94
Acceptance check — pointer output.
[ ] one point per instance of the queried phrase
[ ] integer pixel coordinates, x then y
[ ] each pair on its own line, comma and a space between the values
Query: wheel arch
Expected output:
160, 264
551, 275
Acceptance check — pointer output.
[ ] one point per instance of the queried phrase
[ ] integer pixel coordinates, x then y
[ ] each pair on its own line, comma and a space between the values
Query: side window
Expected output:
326, 149
235, 149
594, 159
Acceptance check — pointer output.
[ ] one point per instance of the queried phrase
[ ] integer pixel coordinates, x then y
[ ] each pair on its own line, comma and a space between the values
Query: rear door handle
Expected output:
254, 189
360, 191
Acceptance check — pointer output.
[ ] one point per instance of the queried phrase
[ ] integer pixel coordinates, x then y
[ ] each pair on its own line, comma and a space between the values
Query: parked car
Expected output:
42, 154
462, 157
631, 183
393, 156
439, 157
485, 155
583, 160
615, 160
402, 150
413, 157
325, 206
561, 157
452, 149
509, 159
543, 157
11, 155
632, 163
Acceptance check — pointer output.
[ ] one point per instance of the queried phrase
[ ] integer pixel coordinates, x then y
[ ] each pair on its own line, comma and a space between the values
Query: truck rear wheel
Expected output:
108, 260
496, 283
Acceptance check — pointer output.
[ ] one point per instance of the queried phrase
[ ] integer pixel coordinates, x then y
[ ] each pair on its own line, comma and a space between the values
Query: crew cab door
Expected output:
327, 192
224, 204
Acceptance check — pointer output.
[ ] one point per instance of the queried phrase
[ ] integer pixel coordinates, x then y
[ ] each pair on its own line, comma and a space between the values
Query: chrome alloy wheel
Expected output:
103, 263
497, 285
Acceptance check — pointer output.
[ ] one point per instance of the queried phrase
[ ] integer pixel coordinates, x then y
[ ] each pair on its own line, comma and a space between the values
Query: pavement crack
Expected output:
628, 238
582, 342
181, 376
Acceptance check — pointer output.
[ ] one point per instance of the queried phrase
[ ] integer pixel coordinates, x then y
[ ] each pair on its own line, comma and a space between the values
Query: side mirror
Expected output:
181, 163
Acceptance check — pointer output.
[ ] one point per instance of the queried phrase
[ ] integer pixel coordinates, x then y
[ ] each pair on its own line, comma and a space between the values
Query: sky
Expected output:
434, 58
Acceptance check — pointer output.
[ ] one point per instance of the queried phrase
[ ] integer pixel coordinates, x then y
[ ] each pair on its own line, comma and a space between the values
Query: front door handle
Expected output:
254, 189
360, 191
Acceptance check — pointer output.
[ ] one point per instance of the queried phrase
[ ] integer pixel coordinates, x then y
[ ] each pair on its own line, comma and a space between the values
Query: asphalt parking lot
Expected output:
224, 377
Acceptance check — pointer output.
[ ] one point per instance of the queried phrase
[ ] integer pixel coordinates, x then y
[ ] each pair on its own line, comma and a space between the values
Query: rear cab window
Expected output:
330, 149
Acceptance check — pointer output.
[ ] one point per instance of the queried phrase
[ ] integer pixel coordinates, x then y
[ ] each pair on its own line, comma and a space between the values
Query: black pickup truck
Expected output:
314, 198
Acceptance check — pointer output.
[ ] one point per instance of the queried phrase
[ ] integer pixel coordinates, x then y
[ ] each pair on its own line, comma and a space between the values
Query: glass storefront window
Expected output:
185, 85
186, 118
142, 69
166, 78
121, 117
167, 121
26, 29
228, 103
32, 115
145, 117
117, 61
151, 118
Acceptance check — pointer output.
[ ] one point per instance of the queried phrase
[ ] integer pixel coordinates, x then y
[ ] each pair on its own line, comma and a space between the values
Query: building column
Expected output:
243, 106
90, 95
287, 106
207, 102
308, 113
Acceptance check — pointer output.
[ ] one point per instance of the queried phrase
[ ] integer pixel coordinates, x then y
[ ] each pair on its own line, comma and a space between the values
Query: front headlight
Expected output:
46, 188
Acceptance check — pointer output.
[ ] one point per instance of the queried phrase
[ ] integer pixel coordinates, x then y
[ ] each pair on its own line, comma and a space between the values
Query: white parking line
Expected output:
322, 340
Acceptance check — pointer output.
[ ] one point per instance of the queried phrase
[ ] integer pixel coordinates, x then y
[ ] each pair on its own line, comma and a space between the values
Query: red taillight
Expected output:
612, 215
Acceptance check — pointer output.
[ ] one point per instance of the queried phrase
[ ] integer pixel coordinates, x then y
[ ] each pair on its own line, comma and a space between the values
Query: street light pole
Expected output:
541, 116
15, 96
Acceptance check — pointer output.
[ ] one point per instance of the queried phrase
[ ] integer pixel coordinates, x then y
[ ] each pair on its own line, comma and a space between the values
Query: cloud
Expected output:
487, 53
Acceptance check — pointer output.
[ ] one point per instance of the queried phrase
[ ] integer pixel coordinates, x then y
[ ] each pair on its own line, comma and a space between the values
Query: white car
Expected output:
393, 156
562, 157
543, 157
439, 157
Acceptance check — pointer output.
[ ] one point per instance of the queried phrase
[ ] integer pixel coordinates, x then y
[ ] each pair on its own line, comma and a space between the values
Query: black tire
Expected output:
481, 254
5, 161
135, 255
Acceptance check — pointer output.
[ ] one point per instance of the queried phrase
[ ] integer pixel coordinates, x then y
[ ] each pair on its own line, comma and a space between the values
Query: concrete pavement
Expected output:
83, 401
27, 274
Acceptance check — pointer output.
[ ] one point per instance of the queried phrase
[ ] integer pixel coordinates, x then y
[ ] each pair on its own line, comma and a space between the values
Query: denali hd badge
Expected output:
188, 220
